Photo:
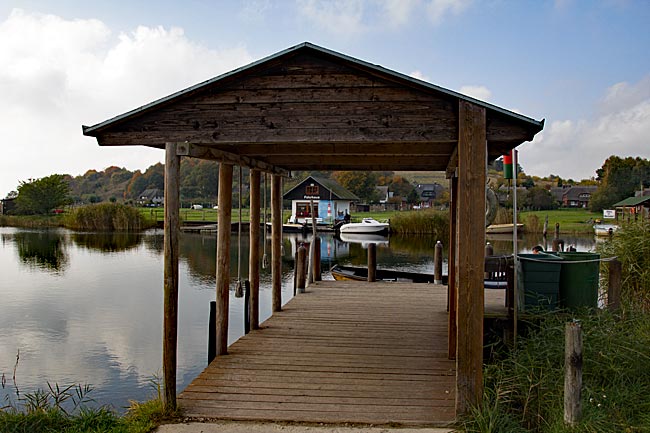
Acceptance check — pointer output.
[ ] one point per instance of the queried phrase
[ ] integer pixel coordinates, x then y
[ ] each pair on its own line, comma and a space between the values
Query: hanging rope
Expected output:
265, 259
239, 291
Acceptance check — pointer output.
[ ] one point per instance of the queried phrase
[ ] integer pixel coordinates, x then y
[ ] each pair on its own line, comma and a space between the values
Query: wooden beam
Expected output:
276, 243
254, 253
472, 152
395, 148
452, 281
205, 152
223, 256
171, 233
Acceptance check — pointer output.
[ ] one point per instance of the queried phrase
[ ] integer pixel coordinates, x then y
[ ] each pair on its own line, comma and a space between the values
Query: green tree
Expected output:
361, 183
619, 178
538, 198
40, 196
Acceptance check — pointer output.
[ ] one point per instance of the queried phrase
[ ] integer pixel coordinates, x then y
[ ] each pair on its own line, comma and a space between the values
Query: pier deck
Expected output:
354, 352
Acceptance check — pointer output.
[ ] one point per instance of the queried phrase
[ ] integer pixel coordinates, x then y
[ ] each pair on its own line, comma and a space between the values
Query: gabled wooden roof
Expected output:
309, 108
337, 190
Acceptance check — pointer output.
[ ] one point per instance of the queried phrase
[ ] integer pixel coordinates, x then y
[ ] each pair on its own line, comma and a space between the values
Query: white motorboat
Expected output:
367, 225
605, 229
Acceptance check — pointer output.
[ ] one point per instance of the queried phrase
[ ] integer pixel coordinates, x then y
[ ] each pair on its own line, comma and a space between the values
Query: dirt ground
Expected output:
261, 427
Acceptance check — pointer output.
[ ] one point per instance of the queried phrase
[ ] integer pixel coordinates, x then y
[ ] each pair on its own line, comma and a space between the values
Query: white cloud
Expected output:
336, 16
419, 75
57, 74
479, 92
398, 12
438, 9
577, 148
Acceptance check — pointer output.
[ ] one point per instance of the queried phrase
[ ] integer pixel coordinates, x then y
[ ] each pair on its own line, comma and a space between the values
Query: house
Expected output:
383, 193
7, 205
152, 196
331, 201
633, 207
428, 192
578, 196
558, 191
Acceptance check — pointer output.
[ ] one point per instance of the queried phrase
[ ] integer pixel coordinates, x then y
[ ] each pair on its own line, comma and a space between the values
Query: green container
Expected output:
579, 281
540, 281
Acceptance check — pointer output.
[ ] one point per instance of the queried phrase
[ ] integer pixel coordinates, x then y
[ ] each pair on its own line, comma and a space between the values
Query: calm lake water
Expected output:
86, 308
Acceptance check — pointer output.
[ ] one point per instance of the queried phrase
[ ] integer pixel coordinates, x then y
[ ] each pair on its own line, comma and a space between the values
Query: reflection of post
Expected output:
372, 262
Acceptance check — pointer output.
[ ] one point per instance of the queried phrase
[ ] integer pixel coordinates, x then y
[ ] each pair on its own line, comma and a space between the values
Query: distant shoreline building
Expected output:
331, 201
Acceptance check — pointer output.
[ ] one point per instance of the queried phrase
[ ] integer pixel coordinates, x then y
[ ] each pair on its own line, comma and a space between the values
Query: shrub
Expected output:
422, 222
106, 217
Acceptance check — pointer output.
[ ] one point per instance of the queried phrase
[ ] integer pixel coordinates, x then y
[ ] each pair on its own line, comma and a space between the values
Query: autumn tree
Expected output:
619, 178
361, 183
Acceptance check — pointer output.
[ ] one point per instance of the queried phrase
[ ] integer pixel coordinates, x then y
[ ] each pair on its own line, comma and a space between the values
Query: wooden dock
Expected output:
345, 351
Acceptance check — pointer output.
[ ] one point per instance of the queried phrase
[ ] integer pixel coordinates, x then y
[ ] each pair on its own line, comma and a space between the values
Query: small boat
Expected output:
502, 228
367, 225
354, 273
605, 229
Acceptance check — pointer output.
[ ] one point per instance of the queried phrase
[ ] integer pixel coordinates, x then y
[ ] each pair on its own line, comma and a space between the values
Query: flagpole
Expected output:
515, 159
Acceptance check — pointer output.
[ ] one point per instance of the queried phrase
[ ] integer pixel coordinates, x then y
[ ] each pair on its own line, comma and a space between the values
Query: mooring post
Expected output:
437, 263
212, 332
557, 230
247, 307
614, 286
489, 251
372, 262
572, 372
316, 272
301, 278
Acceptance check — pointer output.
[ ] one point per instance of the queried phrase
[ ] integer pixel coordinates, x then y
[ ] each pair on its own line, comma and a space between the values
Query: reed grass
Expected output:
420, 222
106, 217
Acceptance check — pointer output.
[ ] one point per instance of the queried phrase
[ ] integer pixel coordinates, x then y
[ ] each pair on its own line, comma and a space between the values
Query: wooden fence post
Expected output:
572, 373
614, 286
372, 262
437, 263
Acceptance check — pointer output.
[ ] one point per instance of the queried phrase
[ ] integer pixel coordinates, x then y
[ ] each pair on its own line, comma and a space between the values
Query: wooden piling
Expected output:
572, 373
254, 250
489, 251
372, 262
276, 243
557, 230
452, 282
212, 334
317, 270
437, 263
301, 277
614, 286
170, 289
223, 256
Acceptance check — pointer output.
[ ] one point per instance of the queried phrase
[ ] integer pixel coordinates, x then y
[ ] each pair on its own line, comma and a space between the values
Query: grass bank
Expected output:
524, 387
31, 221
574, 221
106, 217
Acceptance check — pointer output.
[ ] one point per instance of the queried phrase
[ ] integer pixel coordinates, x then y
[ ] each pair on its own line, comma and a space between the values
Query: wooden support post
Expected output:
171, 233
572, 373
372, 262
489, 251
276, 243
223, 256
472, 156
301, 266
614, 286
437, 263
254, 253
212, 332
452, 282
317, 271
557, 230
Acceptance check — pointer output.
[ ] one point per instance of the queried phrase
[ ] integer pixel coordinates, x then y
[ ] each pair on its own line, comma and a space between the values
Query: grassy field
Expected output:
571, 220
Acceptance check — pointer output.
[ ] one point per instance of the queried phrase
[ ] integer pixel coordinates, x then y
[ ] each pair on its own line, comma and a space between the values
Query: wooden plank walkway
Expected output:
342, 352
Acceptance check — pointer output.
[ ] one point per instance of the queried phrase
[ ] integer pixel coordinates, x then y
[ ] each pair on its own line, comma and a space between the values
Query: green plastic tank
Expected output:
579, 279
540, 280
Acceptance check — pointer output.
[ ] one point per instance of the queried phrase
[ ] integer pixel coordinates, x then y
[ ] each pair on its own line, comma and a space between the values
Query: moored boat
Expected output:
367, 225
605, 229
502, 228
354, 273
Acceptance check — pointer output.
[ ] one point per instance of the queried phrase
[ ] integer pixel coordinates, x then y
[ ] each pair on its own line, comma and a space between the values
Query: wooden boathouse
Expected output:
309, 108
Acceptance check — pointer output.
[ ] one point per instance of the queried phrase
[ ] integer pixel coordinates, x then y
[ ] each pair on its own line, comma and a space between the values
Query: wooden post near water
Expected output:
489, 251
437, 263
254, 250
301, 277
472, 168
170, 289
316, 272
276, 243
372, 262
223, 256
572, 373
452, 283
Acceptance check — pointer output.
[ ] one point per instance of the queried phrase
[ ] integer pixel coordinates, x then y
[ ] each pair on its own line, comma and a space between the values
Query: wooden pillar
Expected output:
372, 262
276, 243
472, 154
452, 282
172, 229
223, 256
254, 253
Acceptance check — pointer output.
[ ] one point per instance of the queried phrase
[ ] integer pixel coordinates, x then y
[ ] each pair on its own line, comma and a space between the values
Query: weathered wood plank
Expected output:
254, 248
472, 154
276, 240
223, 256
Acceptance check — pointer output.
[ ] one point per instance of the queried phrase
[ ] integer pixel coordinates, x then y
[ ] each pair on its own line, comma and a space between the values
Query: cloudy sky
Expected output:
584, 66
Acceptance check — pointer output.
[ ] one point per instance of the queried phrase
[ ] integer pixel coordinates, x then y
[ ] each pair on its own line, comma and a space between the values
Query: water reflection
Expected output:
107, 242
40, 249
